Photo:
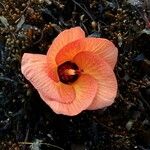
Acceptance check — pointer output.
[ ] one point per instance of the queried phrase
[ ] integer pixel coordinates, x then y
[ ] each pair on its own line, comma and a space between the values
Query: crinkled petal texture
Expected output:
35, 68
101, 47
97, 68
64, 38
85, 88
95, 88
62, 98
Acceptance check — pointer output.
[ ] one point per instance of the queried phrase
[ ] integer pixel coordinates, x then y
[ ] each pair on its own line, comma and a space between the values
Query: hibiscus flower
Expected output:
76, 74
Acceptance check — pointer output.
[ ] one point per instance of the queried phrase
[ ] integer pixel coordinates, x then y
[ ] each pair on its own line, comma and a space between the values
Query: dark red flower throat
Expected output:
68, 72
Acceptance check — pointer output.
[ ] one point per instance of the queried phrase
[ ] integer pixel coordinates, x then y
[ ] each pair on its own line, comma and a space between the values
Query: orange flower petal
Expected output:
67, 93
34, 67
53, 73
86, 88
103, 73
36, 70
65, 37
102, 47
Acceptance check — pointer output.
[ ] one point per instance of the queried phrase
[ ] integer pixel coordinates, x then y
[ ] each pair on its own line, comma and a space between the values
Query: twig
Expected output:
2, 5
28, 3
30, 143
41, 37
143, 15
83, 9
144, 101
26, 138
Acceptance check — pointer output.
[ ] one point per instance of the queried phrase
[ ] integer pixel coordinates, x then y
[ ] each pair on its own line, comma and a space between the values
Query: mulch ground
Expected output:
26, 122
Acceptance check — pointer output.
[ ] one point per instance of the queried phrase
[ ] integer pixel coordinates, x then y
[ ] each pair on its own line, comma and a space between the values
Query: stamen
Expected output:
68, 72
73, 72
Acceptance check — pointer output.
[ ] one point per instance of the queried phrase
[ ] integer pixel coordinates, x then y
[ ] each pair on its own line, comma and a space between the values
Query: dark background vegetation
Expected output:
26, 122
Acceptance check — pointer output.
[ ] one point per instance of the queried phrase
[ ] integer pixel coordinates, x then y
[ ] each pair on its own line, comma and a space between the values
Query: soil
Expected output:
26, 122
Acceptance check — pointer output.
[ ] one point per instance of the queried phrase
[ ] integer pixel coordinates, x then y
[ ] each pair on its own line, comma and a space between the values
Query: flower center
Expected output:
68, 72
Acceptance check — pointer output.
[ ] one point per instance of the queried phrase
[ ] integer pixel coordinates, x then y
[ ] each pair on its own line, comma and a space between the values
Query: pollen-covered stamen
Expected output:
68, 72
73, 72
